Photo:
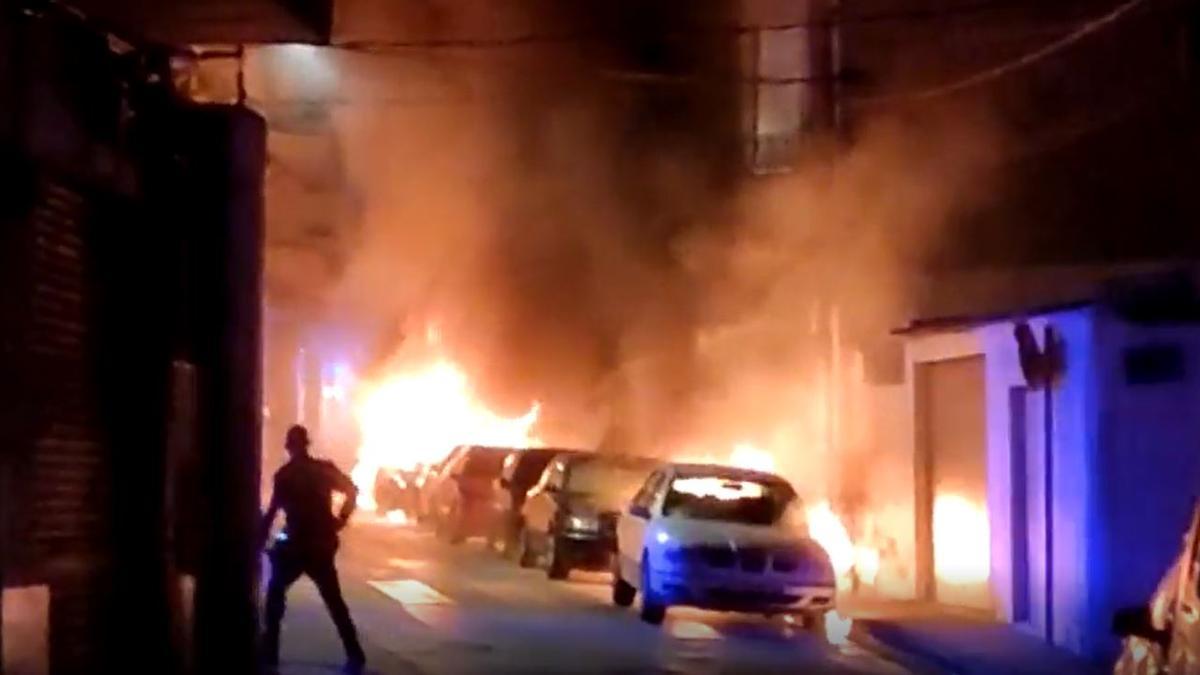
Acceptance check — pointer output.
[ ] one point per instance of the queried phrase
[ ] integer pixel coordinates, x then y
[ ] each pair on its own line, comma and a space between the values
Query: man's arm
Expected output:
268, 520
343, 484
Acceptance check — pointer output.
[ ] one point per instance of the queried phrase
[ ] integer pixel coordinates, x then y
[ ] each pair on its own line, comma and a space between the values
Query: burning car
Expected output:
396, 490
1163, 636
569, 517
429, 482
461, 500
522, 470
720, 538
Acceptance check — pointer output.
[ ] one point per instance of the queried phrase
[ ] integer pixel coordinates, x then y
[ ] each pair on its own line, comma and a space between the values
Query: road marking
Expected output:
693, 630
410, 592
407, 564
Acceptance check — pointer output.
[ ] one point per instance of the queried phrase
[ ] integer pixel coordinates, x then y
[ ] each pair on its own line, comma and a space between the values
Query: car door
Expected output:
540, 503
447, 491
631, 528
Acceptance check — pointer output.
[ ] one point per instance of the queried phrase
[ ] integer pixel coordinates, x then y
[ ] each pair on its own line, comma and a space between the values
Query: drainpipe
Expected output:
1048, 475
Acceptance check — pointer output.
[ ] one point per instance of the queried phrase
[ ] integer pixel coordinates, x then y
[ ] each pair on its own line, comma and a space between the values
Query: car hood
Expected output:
689, 532
593, 504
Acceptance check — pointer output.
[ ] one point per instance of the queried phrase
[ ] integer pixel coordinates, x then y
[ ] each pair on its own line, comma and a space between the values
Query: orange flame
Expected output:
419, 414
719, 488
961, 540
824, 525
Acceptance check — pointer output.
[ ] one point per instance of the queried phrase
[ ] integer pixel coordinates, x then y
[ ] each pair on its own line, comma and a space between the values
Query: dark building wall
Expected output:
1098, 141
130, 322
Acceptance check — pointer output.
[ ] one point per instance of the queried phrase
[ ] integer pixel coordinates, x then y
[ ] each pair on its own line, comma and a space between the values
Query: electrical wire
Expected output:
1079, 33
1028, 59
575, 37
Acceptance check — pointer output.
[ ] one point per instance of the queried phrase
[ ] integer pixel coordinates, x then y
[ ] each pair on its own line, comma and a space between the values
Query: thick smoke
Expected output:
577, 221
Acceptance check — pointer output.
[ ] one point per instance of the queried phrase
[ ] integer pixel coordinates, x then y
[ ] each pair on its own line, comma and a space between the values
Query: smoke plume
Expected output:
577, 220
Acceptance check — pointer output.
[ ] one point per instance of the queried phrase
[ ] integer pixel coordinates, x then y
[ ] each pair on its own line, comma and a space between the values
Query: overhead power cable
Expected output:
573, 37
1077, 34
1083, 31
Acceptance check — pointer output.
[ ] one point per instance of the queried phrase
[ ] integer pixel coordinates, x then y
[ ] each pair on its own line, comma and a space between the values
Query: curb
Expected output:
915, 661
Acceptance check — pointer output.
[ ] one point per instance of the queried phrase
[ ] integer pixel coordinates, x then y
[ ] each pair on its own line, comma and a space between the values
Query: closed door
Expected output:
953, 527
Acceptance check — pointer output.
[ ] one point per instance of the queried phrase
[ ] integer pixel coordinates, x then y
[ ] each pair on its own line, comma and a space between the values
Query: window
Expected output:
727, 499
1154, 364
782, 103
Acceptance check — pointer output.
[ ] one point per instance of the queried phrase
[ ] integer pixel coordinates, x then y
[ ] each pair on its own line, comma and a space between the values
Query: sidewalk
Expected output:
928, 639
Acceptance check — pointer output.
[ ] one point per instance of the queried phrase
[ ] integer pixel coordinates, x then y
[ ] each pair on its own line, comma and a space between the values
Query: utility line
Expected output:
573, 37
1082, 31
1085, 30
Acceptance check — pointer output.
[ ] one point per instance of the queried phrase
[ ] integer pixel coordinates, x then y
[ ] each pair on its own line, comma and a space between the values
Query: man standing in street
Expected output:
304, 489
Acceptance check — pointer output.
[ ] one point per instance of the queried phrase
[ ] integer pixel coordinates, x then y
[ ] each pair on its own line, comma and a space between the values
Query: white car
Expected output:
720, 538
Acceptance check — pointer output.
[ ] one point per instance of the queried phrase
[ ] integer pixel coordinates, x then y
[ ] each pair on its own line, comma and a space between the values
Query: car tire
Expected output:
814, 624
525, 554
510, 541
623, 592
559, 567
653, 610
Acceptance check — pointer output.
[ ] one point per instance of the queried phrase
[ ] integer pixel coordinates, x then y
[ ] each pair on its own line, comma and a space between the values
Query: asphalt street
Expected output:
424, 606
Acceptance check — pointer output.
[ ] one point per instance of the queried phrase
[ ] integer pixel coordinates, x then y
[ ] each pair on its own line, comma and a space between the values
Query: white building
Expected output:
1114, 443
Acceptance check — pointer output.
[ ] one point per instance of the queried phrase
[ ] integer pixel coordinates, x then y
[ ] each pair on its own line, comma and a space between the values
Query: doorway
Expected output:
953, 533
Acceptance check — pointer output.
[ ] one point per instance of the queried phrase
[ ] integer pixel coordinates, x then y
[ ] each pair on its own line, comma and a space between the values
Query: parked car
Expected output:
1163, 636
720, 538
520, 473
429, 481
569, 518
396, 489
461, 501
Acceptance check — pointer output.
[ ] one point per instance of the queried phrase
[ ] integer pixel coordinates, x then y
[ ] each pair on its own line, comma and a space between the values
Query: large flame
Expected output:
961, 540
851, 560
417, 415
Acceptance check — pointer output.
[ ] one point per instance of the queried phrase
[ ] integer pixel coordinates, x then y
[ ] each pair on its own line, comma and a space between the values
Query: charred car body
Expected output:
461, 499
522, 470
569, 517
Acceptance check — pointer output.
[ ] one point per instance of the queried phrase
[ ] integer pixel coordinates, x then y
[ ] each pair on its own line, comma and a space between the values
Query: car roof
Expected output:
697, 470
559, 452
613, 459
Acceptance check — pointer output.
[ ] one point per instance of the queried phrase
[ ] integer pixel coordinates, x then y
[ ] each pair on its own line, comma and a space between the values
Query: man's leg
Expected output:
285, 569
325, 576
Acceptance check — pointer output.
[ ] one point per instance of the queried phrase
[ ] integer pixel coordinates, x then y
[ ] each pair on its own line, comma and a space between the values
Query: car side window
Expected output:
660, 491
510, 467
556, 480
456, 466
645, 496
546, 479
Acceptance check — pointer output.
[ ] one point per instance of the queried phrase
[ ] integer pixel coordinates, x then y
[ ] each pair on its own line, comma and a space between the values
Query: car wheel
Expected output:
623, 592
813, 623
653, 610
559, 568
525, 554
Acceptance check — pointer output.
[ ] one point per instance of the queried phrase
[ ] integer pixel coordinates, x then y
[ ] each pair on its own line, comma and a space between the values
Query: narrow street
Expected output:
423, 606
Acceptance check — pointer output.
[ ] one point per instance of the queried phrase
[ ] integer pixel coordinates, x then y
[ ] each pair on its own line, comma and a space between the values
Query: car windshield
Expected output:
733, 500
485, 461
611, 482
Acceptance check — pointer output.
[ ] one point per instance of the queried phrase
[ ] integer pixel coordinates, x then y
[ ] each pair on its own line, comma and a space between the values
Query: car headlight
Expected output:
583, 523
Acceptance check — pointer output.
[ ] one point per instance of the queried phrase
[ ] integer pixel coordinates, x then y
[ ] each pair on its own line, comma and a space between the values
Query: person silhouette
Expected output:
303, 488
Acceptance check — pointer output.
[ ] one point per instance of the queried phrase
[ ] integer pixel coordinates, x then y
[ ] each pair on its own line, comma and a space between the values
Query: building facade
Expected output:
1083, 480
